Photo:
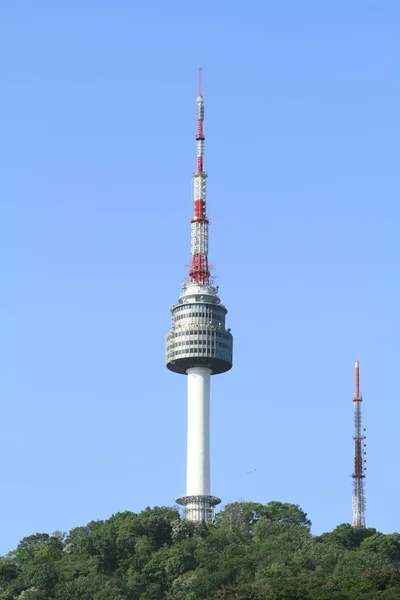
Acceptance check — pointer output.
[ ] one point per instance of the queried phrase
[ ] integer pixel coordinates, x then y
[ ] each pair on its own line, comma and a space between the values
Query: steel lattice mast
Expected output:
199, 270
199, 345
359, 461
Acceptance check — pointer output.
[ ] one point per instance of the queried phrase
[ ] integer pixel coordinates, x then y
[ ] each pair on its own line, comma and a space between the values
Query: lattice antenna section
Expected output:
199, 268
358, 475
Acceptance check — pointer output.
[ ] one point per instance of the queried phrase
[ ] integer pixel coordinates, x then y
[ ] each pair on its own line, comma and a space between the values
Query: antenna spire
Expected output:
200, 81
199, 268
359, 453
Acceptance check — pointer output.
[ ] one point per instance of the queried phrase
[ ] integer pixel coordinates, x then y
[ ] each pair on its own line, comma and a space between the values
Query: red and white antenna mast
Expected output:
199, 268
359, 460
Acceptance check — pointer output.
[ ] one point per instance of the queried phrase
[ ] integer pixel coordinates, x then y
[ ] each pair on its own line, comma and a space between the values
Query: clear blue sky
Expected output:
97, 150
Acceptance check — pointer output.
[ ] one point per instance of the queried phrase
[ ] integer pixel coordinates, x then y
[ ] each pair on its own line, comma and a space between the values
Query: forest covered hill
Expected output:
253, 552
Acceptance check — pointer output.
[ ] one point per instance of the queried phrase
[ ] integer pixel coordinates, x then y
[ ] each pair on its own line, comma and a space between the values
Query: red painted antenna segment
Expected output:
357, 380
199, 268
359, 461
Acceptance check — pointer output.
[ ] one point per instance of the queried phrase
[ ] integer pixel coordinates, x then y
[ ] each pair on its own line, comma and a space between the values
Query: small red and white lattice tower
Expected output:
359, 457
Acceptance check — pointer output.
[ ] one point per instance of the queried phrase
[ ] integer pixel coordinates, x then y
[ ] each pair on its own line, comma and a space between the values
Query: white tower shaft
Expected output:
198, 442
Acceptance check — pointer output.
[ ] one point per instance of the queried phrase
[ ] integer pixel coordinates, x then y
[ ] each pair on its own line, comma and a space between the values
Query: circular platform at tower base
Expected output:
198, 508
205, 500
217, 365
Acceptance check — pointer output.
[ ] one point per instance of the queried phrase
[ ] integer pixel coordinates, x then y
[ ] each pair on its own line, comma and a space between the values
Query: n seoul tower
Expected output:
198, 345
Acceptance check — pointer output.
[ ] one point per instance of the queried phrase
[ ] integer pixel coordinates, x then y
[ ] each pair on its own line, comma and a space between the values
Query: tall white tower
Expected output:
198, 345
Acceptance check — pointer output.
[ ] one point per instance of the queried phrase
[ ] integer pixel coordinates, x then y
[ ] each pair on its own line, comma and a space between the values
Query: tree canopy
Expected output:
252, 552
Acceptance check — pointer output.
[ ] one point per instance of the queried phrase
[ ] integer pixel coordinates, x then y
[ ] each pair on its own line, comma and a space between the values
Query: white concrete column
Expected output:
198, 442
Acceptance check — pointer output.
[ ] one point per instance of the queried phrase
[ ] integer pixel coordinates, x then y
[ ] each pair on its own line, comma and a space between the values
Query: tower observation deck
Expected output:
199, 345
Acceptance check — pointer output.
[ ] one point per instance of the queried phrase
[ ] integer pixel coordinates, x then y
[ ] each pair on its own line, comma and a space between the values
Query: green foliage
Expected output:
244, 515
347, 536
253, 552
384, 545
